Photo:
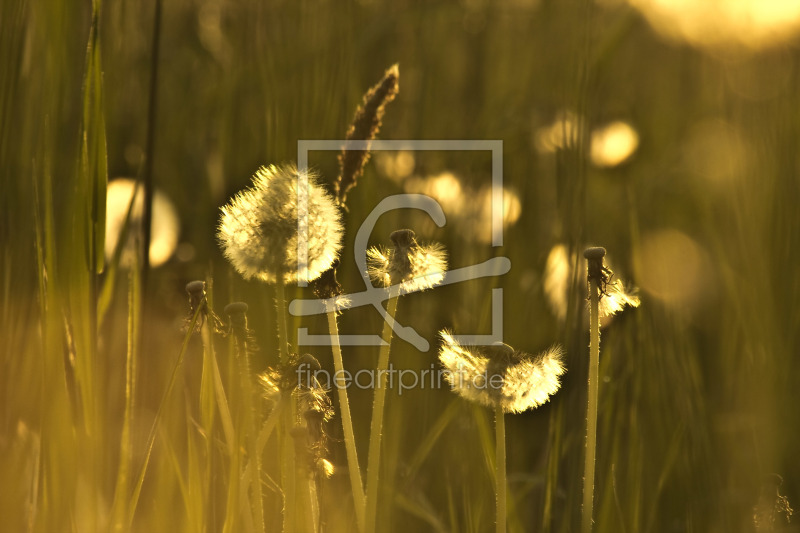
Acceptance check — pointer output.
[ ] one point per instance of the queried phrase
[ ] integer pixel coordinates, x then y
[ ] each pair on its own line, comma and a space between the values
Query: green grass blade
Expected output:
154, 428
119, 511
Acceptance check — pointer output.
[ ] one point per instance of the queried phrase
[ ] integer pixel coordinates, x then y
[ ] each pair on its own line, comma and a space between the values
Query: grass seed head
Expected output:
365, 127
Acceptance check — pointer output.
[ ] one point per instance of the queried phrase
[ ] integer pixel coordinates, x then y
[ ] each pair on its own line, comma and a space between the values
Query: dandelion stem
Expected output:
280, 305
500, 467
591, 416
288, 466
373, 462
347, 426
288, 460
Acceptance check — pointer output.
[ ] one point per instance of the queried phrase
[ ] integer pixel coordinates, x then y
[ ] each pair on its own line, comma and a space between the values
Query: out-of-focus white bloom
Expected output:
499, 376
164, 229
258, 229
412, 266
616, 297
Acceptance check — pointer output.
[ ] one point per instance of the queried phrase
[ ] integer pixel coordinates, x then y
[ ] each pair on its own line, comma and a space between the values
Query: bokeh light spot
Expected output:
164, 230
613, 144
723, 23
674, 269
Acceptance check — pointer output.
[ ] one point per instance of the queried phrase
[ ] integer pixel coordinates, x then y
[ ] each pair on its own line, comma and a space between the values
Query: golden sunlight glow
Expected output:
717, 152
557, 277
478, 219
165, 227
396, 166
445, 188
467, 208
674, 269
613, 144
718, 23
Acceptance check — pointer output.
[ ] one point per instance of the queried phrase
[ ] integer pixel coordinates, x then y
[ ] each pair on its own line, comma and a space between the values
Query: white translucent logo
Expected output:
375, 296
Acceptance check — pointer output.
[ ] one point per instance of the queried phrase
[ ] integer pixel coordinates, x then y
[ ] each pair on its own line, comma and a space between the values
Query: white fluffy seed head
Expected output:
258, 229
616, 297
412, 266
499, 376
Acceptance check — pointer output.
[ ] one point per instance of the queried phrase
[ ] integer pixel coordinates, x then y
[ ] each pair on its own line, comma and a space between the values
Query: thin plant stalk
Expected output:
591, 416
235, 489
280, 305
376, 426
226, 419
252, 439
207, 415
347, 426
288, 465
500, 468
308, 495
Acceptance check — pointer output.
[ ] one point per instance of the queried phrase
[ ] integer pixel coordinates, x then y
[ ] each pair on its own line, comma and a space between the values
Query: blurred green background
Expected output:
694, 195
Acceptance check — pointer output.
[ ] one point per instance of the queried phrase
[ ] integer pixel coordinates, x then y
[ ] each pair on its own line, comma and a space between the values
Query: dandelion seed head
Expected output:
616, 297
235, 308
237, 319
500, 376
413, 266
594, 253
197, 300
270, 385
772, 508
326, 467
258, 230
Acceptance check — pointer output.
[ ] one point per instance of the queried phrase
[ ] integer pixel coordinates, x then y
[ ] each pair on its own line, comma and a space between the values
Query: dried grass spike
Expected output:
365, 127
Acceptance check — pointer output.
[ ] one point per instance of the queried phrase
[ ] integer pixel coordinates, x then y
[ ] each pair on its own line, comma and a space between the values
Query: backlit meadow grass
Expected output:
668, 137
